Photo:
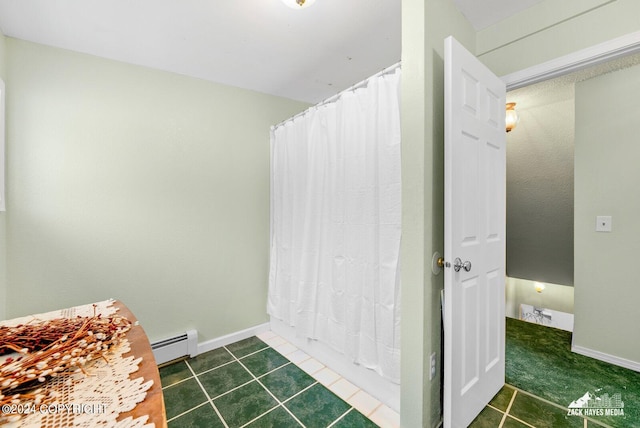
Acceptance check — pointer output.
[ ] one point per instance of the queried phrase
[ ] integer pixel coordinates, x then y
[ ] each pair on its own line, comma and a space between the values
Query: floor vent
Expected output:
176, 347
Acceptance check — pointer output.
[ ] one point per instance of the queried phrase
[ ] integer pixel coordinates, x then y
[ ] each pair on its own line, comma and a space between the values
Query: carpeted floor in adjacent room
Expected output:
539, 361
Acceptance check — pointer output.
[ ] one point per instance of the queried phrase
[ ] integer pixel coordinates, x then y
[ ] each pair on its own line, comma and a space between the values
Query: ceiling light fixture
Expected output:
512, 117
298, 4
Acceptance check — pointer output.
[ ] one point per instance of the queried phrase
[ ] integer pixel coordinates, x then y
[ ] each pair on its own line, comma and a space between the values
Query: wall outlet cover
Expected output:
603, 223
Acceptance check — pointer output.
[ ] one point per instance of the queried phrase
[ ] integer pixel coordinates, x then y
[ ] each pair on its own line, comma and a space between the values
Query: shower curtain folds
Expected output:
335, 224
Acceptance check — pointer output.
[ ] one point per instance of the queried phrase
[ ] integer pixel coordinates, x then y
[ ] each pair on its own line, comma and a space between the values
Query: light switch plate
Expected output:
603, 223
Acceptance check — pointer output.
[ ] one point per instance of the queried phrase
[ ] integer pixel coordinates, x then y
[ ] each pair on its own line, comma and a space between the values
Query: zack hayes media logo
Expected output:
592, 405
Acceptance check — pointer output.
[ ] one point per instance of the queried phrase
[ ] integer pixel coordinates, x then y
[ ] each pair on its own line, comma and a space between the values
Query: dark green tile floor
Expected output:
544, 377
516, 408
249, 384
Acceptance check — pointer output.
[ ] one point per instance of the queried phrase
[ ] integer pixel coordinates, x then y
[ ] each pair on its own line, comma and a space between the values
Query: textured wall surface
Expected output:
540, 184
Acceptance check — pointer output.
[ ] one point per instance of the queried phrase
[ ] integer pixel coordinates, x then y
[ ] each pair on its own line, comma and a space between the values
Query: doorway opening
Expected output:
597, 171
540, 194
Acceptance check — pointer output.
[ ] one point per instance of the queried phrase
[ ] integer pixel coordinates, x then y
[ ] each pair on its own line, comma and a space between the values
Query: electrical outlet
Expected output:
433, 366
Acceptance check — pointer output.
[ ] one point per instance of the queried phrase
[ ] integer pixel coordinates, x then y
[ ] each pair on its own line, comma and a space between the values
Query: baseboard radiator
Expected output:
176, 347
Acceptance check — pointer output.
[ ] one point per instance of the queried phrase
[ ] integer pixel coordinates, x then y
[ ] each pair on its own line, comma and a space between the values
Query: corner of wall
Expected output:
3, 217
3, 55
163, 148
3, 266
425, 25
551, 29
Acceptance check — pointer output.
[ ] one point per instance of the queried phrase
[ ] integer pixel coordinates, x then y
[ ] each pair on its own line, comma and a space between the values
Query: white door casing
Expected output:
475, 164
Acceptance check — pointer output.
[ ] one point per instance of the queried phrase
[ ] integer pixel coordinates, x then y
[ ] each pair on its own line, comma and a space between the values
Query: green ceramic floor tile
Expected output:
183, 396
244, 404
513, 423
277, 418
224, 379
317, 407
287, 381
174, 373
542, 415
210, 360
203, 416
242, 400
502, 398
264, 361
354, 419
488, 418
246, 346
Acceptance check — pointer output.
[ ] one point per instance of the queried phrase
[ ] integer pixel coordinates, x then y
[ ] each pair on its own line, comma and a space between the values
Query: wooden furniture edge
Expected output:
153, 404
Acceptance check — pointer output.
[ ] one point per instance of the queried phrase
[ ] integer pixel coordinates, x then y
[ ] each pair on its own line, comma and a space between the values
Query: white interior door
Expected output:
475, 163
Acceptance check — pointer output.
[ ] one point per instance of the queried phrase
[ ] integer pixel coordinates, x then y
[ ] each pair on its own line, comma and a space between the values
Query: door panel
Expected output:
475, 159
470, 338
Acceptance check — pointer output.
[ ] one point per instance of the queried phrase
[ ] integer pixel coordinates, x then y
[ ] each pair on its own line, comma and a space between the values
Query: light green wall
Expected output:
425, 25
3, 216
140, 185
552, 29
532, 20
607, 177
575, 24
3, 60
136, 184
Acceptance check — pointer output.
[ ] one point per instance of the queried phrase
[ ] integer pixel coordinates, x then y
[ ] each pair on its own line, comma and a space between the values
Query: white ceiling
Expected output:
262, 45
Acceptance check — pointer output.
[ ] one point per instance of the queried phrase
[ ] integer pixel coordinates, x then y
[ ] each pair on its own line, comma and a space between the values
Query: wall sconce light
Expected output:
298, 4
512, 118
539, 287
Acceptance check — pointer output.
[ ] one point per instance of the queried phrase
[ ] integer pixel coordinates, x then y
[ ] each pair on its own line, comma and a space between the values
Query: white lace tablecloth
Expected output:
97, 398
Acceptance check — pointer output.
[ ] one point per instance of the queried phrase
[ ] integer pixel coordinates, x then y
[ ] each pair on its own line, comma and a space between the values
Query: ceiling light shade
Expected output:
539, 287
298, 4
512, 118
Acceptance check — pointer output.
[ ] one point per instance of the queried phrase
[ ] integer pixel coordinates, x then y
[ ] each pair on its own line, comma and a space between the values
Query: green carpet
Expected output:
539, 360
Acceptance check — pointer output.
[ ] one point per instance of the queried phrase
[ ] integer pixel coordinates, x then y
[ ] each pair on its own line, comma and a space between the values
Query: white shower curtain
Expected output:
335, 224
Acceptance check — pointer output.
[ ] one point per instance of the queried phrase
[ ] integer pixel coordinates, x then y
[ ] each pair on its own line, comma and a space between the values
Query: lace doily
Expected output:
92, 400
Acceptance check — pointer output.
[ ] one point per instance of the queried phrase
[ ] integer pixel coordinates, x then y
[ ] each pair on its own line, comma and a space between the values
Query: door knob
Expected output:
459, 264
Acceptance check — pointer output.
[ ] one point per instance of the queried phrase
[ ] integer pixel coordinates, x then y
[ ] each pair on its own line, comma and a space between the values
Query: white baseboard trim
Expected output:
607, 358
228, 339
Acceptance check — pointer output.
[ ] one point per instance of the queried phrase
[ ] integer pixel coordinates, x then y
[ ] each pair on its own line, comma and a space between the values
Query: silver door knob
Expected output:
459, 264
